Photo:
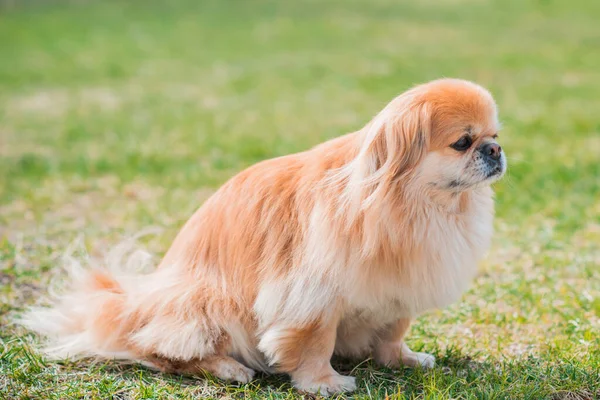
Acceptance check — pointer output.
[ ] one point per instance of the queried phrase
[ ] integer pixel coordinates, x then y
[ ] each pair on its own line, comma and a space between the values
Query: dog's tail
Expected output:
88, 321
93, 316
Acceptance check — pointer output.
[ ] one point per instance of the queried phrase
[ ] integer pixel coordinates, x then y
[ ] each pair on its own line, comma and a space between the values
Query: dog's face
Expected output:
467, 156
463, 150
474, 159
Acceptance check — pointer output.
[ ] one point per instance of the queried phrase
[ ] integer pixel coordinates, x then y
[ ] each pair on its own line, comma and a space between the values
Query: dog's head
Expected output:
442, 135
463, 150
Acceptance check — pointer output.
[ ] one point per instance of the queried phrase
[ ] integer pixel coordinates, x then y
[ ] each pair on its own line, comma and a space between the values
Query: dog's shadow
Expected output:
451, 360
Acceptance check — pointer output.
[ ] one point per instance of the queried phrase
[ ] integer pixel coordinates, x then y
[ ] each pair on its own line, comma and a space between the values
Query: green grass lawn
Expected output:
116, 116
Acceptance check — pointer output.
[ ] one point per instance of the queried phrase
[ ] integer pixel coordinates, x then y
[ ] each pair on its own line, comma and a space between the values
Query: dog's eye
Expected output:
463, 143
495, 136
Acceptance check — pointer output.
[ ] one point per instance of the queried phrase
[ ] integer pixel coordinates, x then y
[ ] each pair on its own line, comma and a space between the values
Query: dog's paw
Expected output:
235, 373
227, 369
329, 385
422, 360
393, 355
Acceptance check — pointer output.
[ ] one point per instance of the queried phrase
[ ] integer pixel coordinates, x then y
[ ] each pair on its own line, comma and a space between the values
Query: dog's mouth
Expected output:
496, 172
491, 176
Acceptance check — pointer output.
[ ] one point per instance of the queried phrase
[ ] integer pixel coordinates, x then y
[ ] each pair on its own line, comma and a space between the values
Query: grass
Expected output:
116, 116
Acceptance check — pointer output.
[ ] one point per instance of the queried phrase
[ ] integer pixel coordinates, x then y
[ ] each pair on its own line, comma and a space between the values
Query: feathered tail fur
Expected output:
89, 316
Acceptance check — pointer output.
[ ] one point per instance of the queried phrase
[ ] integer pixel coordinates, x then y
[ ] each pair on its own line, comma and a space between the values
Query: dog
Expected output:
334, 250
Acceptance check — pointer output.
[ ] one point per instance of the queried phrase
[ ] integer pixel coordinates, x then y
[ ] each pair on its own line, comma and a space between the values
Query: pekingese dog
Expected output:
329, 251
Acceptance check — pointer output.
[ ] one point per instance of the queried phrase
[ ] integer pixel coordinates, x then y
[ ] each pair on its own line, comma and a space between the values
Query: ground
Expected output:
119, 116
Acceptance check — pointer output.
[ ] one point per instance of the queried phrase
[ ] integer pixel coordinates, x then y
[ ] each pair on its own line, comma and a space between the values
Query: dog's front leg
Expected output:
305, 354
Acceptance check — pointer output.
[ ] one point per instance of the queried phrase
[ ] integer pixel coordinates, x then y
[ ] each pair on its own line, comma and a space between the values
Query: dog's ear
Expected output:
390, 147
395, 140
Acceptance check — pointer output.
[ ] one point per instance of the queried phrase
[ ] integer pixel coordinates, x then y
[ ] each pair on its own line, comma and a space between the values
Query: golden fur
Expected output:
332, 250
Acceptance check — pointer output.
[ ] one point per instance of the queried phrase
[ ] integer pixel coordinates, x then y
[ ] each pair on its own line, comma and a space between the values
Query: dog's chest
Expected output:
432, 276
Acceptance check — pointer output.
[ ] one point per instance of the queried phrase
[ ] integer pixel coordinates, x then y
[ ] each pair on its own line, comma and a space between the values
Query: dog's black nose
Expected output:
492, 150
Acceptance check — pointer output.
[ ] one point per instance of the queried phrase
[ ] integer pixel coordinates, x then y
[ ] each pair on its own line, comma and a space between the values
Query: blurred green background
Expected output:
119, 115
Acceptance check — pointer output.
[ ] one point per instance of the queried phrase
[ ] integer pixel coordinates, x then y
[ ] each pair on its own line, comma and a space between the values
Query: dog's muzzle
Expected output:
492, 155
